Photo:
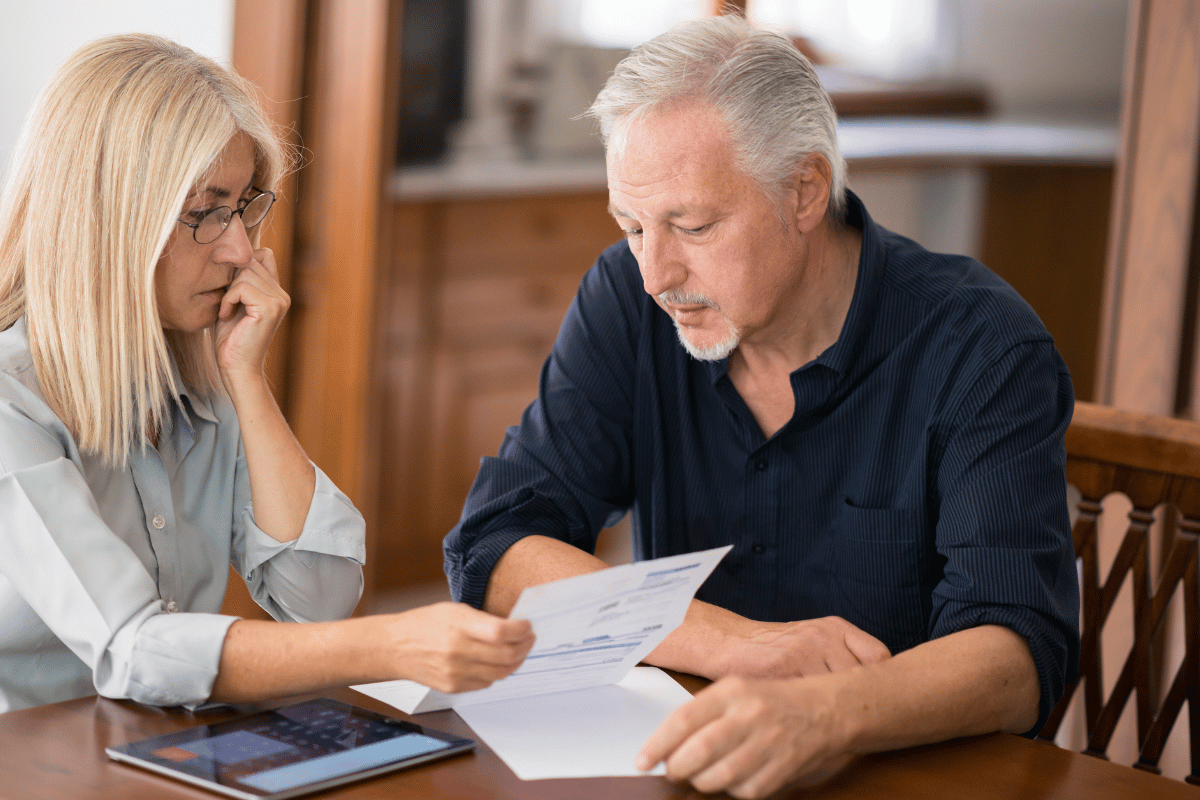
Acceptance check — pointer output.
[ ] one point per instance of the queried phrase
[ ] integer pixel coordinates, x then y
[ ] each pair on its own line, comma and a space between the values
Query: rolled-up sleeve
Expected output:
1003, 528
112, 578
86, 585
565, 472
316, 577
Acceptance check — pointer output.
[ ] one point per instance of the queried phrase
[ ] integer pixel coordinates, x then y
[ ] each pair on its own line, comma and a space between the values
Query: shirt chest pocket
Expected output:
875, 568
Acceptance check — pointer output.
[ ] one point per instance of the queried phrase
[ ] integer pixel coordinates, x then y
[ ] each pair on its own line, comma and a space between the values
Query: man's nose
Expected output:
661, 263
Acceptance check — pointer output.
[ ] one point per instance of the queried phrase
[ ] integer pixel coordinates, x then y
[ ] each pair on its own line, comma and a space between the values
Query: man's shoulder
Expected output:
613, 288
957, 291
617, 267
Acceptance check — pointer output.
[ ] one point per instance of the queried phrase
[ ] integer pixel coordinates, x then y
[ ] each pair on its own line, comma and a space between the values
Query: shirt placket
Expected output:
761, 472
158, 512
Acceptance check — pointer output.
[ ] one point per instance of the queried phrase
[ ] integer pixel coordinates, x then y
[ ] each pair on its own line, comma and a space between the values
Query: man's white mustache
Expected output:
687, 298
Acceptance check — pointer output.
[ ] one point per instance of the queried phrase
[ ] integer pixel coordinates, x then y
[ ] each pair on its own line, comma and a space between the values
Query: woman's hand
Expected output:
452, 647
250, 313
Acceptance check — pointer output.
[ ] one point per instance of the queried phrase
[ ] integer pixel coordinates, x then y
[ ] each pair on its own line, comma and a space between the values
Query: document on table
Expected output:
591, 631
588, 733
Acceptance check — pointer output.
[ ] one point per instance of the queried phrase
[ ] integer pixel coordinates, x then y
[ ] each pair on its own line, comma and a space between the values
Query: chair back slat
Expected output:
1154, 462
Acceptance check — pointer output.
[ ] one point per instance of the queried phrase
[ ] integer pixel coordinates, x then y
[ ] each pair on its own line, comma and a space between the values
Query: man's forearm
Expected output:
704, 643
712, 642
753, 735
533, 561
971, 682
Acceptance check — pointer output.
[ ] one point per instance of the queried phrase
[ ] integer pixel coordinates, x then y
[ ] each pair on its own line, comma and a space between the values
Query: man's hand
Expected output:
806, 647
749, 737
715, 643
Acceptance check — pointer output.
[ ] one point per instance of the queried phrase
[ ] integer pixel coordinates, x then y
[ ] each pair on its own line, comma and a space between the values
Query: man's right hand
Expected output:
715, 643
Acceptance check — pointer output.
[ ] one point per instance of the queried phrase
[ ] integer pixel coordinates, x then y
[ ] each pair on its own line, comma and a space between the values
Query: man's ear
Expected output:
811, 183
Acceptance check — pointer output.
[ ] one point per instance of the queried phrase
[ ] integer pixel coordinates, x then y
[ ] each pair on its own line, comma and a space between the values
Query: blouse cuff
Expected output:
333, 527
176, 657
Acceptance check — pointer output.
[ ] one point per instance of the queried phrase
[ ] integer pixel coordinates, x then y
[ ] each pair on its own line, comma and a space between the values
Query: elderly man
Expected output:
877, 430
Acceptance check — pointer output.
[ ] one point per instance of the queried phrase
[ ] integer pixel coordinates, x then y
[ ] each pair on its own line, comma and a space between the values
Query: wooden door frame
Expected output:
1145, 358
325, 66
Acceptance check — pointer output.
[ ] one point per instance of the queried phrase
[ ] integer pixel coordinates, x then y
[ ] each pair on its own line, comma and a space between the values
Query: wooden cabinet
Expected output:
474, 292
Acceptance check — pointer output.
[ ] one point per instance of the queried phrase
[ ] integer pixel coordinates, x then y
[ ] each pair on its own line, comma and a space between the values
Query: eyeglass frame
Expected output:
240, 211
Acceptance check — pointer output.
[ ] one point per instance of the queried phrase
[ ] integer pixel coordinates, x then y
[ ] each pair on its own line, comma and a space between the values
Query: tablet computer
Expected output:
290, 751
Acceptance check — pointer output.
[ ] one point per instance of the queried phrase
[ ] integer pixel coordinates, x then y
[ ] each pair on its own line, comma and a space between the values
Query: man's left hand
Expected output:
800, 648
749, 737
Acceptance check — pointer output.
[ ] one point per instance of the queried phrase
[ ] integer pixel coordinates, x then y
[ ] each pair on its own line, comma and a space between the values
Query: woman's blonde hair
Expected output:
113, 146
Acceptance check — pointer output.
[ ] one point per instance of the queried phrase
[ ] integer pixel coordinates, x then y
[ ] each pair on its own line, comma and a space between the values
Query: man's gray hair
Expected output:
761, 85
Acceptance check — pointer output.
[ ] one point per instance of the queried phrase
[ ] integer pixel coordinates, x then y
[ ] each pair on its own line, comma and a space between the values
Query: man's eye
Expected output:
633, 231
696, 231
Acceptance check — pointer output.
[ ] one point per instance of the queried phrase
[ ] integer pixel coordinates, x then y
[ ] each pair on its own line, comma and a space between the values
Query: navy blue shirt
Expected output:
917, 490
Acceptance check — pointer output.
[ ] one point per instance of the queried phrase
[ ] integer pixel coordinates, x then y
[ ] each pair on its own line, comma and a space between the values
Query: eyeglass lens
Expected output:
214, 223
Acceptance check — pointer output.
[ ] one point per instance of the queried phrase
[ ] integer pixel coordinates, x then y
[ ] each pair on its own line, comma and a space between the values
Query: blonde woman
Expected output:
141, 451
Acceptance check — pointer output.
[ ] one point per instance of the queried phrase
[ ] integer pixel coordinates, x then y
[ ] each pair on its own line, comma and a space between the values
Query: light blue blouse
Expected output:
111, 580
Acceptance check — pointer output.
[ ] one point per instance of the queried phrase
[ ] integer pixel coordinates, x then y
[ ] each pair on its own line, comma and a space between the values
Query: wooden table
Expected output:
56, 752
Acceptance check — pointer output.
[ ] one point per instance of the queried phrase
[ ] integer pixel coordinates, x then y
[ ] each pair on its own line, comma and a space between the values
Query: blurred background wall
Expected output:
35, 37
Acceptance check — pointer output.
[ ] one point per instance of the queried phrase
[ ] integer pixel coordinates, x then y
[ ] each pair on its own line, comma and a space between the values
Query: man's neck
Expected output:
813, 321
761, 369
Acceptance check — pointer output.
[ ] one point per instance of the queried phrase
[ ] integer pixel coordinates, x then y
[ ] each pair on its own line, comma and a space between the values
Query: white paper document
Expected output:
591, 631
588, 733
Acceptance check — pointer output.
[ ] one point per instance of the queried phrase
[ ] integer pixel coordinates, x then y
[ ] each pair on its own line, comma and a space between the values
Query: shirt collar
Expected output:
14, 347
191, 402
841, 355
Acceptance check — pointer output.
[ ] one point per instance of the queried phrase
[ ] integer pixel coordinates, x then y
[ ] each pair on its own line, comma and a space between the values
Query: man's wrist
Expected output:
704, 643
851, 706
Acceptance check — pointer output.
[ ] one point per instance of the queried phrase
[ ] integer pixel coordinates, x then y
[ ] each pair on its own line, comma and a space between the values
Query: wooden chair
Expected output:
1153, 461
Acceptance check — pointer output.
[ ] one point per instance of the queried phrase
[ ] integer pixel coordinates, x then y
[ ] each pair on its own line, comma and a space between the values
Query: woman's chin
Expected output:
193, 323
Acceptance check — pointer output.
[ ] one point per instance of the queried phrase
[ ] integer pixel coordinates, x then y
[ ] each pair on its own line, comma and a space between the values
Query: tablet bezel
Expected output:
133, 752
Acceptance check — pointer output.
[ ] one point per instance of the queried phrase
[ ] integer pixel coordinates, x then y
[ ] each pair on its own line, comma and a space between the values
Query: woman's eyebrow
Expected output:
219, 192
212, 191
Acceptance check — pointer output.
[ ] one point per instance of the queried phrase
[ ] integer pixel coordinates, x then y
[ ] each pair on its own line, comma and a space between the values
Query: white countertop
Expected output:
983, 141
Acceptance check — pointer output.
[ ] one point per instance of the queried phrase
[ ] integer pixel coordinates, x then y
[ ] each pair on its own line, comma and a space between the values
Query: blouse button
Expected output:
159, 521
172, 606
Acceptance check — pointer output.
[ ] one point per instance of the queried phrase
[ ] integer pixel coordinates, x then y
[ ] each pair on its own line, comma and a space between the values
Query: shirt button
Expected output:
159, 521
172, 606
758, 549
760, 465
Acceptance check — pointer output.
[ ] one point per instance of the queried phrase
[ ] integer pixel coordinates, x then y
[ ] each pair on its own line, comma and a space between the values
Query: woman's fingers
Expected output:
453, 647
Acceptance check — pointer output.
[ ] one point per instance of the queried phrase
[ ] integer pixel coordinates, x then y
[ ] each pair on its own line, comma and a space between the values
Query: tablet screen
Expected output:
291, 750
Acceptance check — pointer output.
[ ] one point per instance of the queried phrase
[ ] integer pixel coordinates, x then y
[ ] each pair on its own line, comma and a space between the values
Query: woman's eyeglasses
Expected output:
213, 223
